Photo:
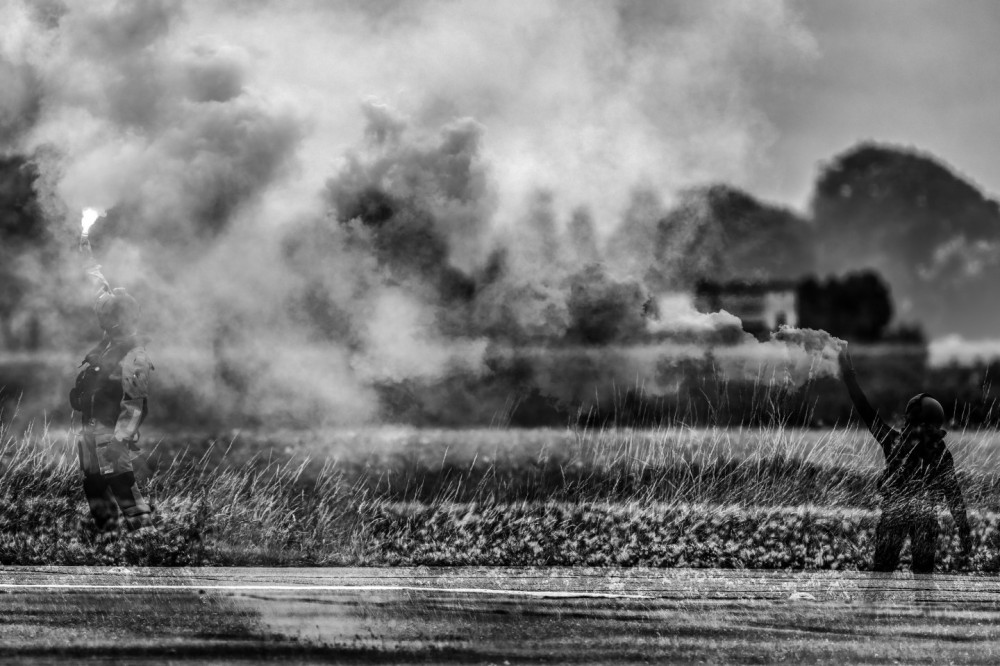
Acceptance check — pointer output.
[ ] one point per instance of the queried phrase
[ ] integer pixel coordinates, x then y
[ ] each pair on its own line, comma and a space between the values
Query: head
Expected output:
923, 411
118, 314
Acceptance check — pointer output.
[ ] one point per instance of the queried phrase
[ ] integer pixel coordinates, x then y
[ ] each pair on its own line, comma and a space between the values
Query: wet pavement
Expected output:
488, 615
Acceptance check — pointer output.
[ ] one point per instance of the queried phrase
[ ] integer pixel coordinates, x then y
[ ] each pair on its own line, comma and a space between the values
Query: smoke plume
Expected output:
315, 199
791, 357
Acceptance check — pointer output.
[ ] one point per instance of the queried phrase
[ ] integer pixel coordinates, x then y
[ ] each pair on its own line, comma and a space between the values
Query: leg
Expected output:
101, 501
95, 487
122, 483
923, 542
889, 536
130, 500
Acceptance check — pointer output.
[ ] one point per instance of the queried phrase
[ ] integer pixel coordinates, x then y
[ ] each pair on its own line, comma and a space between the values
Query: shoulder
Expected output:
137, 360
92, 357
885, 434
136, 367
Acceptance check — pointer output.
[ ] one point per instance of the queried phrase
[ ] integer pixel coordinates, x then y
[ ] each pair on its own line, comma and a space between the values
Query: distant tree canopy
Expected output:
22, 227
21, 220
603, 310
857, 306
932, 234
762, 241
720, 232
406, 241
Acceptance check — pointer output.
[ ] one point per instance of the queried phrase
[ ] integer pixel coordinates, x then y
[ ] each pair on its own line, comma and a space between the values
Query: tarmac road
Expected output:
461, 615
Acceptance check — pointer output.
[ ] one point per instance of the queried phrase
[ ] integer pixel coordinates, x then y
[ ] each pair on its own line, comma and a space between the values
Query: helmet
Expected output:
925, 410
118, 312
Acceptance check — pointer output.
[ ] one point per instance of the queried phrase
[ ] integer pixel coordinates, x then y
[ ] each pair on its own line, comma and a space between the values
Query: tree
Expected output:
761, 241
857, 306
932, 235
21, 219
22, 228
720, 232
603, 310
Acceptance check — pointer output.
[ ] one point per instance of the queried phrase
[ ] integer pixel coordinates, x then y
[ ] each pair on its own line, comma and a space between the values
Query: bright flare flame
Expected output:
90, 215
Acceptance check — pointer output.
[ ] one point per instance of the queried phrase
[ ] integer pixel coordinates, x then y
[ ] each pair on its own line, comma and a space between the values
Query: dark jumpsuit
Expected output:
111, 393
919, 475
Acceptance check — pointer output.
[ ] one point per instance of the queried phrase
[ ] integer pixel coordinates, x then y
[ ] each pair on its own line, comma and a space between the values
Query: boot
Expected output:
102, 503
135, 509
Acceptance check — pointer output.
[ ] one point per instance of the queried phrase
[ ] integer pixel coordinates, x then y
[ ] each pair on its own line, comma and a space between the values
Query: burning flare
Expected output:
90, 215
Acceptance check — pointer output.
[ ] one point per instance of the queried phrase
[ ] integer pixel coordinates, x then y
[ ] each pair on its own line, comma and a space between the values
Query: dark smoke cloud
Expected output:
442, 188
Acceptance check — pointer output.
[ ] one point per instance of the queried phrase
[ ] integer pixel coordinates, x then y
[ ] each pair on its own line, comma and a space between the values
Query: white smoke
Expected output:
791, 357
210, 129
584, 99
955, 349
677, 314
399, 347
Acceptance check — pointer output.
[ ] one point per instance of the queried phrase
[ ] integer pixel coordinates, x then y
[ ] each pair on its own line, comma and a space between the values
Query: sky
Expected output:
586, 99
918, 73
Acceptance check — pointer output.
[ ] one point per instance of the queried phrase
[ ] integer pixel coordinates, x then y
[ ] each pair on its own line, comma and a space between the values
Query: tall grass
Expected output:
767, 466
674, 496
671, 496
257, 513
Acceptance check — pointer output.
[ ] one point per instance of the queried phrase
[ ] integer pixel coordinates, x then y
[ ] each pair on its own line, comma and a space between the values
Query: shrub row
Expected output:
682, 535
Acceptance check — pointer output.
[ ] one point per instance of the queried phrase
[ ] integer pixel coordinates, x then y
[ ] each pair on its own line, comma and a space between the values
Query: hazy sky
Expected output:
922, 73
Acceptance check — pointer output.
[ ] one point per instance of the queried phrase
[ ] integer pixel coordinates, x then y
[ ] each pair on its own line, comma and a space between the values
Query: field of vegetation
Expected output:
769, 497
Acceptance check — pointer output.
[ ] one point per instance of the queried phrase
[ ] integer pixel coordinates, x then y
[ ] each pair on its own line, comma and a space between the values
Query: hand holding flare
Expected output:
90, 216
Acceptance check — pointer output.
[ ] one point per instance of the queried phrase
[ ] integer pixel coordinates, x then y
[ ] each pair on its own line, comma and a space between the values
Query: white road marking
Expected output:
327, 588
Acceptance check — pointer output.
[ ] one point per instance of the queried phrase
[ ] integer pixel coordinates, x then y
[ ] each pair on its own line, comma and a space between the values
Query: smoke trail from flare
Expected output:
791, 357
794, 356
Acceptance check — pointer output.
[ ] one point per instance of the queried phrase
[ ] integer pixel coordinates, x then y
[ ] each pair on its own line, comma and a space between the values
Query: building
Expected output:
762, 306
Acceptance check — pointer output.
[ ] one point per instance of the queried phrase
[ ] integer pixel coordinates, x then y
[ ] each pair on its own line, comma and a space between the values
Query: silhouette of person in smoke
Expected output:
111, 394
919, 475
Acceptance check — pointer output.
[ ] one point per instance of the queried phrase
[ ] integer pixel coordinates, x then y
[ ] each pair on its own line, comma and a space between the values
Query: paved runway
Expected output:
421, 615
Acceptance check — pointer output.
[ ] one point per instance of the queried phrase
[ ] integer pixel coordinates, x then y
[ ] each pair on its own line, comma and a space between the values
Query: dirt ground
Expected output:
230, 616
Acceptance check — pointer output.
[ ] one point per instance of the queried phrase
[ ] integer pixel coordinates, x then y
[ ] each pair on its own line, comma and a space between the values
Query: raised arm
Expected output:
876, 426
93, 270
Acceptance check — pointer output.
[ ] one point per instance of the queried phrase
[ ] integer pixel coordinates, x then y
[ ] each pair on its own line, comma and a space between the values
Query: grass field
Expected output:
675, 496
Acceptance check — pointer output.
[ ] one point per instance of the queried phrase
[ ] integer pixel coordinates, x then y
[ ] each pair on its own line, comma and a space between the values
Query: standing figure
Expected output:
110, 393
919, 475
